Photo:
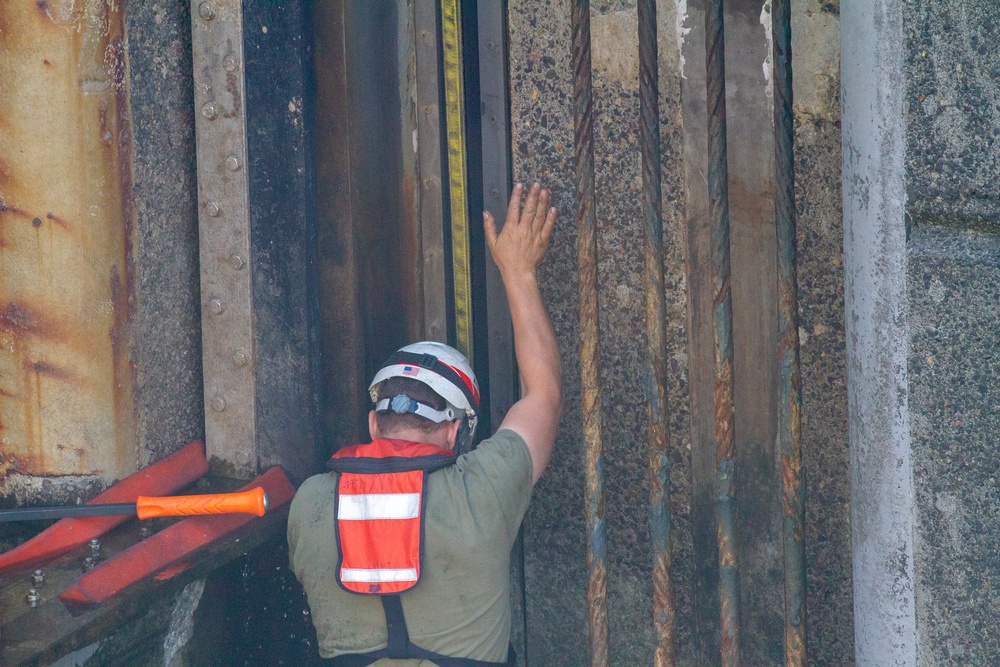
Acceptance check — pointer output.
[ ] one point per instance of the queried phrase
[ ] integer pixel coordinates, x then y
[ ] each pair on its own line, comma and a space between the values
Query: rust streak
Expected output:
40, 368
22, 320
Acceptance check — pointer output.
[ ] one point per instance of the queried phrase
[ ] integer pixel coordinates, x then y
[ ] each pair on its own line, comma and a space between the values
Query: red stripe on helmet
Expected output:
467, 380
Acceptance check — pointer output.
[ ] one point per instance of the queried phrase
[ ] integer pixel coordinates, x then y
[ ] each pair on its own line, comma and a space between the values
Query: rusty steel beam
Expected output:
224, 231
789, 386
67, 286
657, 412
722, 309
590, 358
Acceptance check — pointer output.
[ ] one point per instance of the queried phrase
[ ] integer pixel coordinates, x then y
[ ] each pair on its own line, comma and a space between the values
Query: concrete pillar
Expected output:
882, 502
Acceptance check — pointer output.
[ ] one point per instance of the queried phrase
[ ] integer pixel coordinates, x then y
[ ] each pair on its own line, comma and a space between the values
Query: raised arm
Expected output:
518, 250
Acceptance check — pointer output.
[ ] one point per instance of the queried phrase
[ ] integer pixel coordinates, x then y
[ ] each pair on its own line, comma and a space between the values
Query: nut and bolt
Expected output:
206, 11
143, 532
243, 457
38, 578
213, 209
229, 63
218, 403
241, 358
232, 163
95, 548
210, 110
32, 598
88, 564
215, 307
236, 262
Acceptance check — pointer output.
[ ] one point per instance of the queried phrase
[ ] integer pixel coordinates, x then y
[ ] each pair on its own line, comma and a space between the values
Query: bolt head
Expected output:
218, 403
210, 110
232, 163
229, 63
243, 457
241, 358
213, 209
206, 11
236, 262
215, 307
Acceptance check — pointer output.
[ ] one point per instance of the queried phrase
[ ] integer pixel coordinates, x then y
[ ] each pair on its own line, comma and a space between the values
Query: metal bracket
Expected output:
224, 236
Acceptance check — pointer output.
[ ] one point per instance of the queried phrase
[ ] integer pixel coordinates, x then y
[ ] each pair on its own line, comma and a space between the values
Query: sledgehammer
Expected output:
253, 501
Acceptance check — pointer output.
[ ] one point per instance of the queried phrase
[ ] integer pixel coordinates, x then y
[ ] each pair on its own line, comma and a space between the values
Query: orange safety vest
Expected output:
381, 494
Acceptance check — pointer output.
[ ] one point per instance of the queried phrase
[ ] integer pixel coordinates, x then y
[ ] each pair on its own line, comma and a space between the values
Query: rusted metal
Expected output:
590, 359
789, 386
224, 236
657, 412
66, 382
718, 193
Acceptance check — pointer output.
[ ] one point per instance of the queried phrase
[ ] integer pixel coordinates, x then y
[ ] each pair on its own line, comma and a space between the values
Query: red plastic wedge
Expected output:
161, 553
161, 478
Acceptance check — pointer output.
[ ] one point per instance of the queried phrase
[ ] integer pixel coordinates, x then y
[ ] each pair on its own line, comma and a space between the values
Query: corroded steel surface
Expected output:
590, 366
718, 177
65, 243
656, 355
789, 387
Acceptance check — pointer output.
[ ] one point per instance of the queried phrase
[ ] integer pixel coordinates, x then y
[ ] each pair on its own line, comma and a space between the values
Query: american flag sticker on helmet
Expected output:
412, 371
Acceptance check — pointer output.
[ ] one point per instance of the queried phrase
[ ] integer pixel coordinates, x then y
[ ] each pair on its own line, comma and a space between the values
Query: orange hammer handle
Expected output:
253, 501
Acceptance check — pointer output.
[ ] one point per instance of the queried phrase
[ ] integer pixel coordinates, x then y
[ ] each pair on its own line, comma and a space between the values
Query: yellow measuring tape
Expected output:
454, 94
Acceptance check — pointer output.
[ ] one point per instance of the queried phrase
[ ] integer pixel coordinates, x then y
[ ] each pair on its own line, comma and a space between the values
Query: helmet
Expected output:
446, 371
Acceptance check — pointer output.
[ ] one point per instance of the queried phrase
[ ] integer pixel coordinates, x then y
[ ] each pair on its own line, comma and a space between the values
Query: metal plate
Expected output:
227, 320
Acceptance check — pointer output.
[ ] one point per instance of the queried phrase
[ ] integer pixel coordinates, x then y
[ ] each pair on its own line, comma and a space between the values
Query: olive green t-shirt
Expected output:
461, 607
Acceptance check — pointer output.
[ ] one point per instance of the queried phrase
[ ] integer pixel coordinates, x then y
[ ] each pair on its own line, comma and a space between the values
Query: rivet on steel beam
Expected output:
32, 597
493, 118
95, 548
37, 222
495, 192
213, 209
206, 11
38, 578
218, 404
491, 45
241, 358
216, 307
236, 262
232, 162
210, 110
243, 457
229, 63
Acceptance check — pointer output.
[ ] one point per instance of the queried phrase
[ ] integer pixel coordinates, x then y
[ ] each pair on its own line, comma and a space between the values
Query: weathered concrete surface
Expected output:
882, 510
166, 334
825, 449
954, 292
542, 137
953, 111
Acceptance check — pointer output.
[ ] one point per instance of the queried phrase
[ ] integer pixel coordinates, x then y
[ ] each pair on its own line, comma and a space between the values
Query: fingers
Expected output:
540, 212
514, 205
531, 205
549, 225
490, 226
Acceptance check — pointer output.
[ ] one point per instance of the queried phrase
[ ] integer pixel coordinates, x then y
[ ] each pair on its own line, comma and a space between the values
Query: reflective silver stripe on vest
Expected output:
364, 507
378, 576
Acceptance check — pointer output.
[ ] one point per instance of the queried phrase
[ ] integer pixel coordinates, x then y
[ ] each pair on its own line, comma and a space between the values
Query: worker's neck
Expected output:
439, 437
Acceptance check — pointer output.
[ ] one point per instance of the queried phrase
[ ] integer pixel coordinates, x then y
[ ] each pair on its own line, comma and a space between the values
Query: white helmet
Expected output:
442, 368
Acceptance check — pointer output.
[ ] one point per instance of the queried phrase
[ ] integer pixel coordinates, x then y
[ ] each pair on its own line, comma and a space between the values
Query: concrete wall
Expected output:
542, 138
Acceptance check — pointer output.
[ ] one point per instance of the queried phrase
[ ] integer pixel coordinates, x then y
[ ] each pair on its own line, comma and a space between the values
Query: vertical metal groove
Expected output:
718, 193
790, 389
586, 243
657, 412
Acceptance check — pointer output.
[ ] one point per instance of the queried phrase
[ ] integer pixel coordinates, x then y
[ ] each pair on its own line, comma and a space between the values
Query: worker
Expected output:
404, 548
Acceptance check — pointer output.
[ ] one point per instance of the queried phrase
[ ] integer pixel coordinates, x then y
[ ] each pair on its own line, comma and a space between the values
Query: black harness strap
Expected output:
395, 622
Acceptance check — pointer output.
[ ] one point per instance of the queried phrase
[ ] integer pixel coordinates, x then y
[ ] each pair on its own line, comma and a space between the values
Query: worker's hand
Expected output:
521, 244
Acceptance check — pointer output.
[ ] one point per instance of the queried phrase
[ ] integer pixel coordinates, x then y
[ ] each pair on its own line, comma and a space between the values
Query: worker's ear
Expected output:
452, 433
373, 426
